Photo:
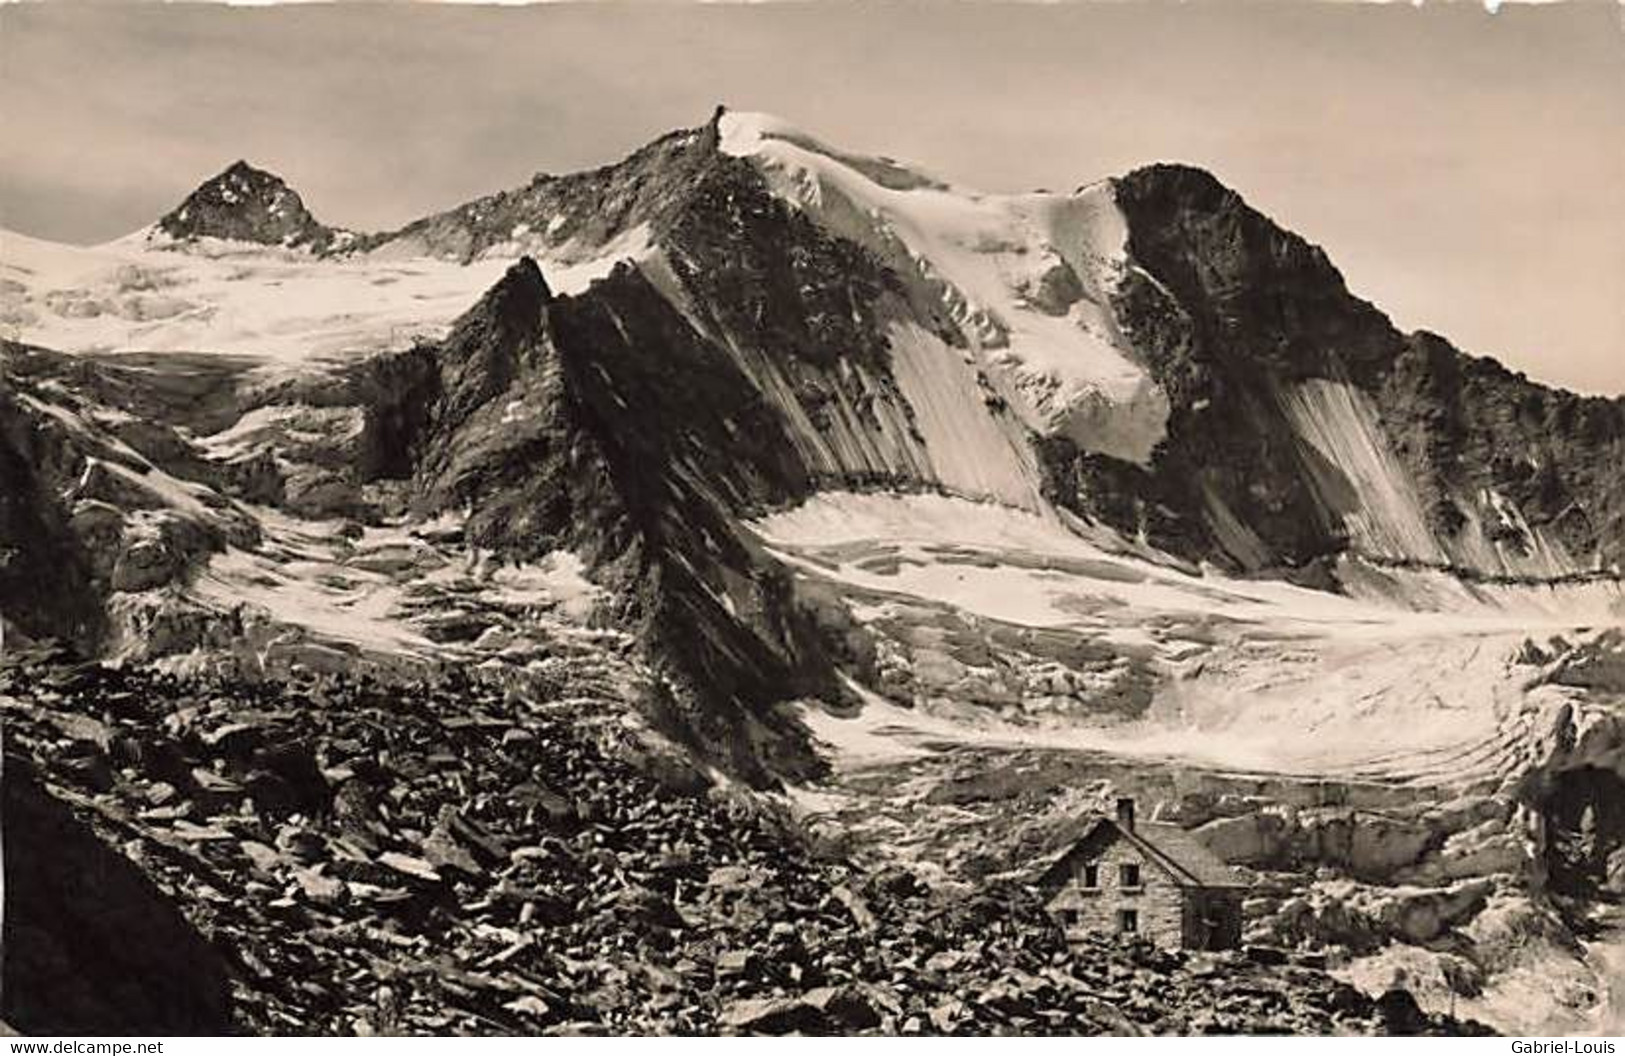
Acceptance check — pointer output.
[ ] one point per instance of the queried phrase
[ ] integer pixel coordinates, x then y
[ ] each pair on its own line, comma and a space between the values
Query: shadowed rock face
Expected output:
91, 946
1464, 425
554, 424
1228, 309
1585, 842
45, 574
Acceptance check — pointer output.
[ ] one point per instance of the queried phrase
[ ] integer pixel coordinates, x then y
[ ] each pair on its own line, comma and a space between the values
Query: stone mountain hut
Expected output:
1151, 879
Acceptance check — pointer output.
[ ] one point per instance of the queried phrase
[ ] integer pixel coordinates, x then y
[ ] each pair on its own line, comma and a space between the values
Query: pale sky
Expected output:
1465, 171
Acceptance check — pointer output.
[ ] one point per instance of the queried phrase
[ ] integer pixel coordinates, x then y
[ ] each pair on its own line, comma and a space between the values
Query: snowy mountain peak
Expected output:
244, 203
747, 134
1028, 280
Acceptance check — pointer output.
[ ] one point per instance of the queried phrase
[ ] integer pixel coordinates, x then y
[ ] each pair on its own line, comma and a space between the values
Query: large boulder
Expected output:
1422, 914
1380, 845
1483, 850
774, 1015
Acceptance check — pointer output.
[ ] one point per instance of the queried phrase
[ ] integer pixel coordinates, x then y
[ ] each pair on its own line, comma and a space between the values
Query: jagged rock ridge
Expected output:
1296, 423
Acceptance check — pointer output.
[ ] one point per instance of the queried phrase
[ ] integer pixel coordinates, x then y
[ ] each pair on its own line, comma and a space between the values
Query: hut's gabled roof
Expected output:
1175, 851
1185, 854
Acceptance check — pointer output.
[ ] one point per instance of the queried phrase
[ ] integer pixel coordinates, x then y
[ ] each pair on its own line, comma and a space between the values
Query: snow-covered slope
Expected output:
1411, 677
150, 293
1026, 280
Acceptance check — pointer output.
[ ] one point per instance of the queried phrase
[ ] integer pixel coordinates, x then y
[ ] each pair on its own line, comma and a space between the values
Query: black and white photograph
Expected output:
901, 518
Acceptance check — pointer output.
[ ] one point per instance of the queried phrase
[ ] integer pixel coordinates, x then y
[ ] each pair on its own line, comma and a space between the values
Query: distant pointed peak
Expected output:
506, 330
245, 203
242, 176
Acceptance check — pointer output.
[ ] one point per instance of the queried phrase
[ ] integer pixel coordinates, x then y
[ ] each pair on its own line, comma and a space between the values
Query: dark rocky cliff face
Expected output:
246, 204
1464, 425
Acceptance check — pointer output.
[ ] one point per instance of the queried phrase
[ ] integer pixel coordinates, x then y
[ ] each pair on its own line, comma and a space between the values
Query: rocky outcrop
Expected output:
1347, 916
524, 415
1570, 777
1468, 427
1363, 843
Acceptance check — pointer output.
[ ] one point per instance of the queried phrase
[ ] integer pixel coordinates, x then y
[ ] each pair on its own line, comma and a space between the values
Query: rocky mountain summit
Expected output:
1292, 396
248, 204
916, 517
